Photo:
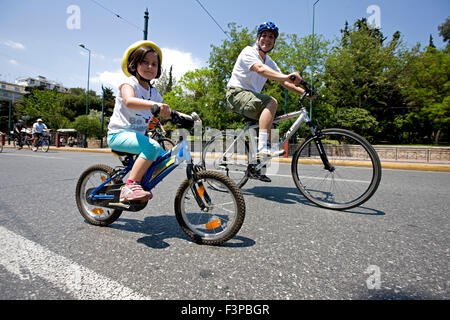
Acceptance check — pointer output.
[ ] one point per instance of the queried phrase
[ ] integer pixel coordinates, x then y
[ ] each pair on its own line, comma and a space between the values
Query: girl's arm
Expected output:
140, 104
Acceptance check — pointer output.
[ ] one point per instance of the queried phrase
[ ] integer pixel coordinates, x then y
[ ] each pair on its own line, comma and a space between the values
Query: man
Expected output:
38, 130
251, 71
18, 133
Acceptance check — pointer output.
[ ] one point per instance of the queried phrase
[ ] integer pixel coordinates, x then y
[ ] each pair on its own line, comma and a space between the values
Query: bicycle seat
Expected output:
249, 120
122, 154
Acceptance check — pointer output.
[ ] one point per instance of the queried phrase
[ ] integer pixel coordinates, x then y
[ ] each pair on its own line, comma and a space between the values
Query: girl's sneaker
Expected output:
133, 192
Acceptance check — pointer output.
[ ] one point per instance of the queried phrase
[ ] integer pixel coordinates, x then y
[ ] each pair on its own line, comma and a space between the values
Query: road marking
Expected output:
32, 156
26, 259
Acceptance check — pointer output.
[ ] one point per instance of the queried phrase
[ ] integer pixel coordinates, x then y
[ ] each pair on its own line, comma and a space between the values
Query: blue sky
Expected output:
35, 39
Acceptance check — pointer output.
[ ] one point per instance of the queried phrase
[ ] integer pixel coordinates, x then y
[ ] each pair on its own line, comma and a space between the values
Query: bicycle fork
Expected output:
197, 188
317, 136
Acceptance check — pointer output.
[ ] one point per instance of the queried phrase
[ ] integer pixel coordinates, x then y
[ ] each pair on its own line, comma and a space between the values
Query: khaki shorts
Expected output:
247, 103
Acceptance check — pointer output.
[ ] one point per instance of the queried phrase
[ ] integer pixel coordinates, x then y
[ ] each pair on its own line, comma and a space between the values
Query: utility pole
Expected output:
312, 58
146, 24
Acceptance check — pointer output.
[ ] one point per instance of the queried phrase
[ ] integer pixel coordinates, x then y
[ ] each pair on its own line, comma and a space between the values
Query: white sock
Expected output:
262, 139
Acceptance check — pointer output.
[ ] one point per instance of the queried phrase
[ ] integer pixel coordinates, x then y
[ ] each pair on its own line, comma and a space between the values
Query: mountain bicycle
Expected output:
333, 168
26, 140
42, 142
206, 215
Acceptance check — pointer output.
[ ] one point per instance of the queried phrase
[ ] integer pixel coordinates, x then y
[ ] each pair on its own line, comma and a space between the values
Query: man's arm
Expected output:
284, 80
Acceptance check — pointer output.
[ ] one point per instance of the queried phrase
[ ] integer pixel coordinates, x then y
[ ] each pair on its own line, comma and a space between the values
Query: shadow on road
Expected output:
288, 195
160, 228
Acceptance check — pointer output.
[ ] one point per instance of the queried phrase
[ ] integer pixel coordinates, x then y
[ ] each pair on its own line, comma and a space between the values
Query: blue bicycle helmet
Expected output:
268, 26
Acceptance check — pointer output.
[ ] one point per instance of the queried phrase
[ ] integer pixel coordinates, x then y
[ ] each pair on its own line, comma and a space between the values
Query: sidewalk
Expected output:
398, 165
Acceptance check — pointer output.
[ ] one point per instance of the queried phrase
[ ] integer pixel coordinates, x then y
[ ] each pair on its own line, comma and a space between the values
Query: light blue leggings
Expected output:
135, 143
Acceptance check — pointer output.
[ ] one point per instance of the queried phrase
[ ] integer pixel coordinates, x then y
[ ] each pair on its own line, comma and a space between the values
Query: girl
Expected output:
141, 63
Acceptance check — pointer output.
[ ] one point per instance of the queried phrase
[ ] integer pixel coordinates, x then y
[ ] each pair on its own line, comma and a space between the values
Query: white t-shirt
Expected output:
243, 77
125, 118
38, 127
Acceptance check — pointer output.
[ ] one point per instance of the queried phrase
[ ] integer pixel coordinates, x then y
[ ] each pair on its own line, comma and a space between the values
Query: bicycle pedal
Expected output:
119, 205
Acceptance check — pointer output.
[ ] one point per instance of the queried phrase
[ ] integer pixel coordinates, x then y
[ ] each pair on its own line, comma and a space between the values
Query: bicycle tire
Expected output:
101, 216
213, 227
166, 143
356, 175
45, 144
235, 166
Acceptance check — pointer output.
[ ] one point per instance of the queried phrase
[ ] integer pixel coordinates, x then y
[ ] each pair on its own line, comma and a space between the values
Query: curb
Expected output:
384, 164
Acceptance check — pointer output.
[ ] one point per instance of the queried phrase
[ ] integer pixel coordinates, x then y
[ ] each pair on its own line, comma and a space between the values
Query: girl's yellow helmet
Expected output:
132, 48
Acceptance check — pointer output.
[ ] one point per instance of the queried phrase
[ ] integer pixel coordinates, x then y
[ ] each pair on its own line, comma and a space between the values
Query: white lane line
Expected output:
23, 258
31, 156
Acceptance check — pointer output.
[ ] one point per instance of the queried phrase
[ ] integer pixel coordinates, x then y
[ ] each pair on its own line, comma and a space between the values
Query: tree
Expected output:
444, 30
166, 82
46, 104
364, 72
427, 91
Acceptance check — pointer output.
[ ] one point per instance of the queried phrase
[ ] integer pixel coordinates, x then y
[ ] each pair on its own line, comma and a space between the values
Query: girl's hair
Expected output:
138, 56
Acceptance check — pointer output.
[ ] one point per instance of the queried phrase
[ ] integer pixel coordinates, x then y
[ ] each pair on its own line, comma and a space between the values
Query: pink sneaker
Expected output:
133, 192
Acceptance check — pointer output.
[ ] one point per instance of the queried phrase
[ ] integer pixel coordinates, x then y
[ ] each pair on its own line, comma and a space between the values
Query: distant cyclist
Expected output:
18, 133
251, 71
38, 130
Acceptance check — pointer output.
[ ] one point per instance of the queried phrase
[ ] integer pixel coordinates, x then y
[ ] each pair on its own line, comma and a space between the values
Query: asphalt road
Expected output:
394, 247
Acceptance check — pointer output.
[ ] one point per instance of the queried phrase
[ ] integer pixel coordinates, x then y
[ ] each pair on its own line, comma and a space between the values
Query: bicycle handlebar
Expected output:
177, 118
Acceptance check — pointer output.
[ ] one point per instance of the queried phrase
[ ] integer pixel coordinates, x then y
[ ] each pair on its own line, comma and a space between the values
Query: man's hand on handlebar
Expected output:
296, 78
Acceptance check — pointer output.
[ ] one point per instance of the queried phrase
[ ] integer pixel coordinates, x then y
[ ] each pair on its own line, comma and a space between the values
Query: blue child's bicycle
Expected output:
206, 215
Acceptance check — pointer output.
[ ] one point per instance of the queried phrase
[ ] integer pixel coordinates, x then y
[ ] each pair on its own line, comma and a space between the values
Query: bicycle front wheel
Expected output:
224, 213
353, 178
228, 156
45, 144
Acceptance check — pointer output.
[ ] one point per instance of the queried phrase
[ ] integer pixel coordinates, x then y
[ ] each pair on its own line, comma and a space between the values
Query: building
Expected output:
11, 92
41, 81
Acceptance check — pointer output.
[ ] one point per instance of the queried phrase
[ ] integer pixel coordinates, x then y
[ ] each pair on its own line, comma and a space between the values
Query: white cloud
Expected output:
14, 45
13, 62
182, 62
110, 79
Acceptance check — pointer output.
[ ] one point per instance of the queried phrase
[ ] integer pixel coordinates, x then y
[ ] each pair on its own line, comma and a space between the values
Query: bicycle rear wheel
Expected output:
225, 212
232, 162
354, 178
91, 178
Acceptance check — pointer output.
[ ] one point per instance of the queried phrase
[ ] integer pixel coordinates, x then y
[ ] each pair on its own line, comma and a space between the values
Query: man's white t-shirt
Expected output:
38, 128
243, 77
125, 118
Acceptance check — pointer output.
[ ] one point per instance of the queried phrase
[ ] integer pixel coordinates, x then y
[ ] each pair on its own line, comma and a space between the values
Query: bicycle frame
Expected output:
159, 169
303, 117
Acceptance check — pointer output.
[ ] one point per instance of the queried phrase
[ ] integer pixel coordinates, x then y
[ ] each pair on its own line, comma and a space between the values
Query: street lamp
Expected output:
89, 71
312, 57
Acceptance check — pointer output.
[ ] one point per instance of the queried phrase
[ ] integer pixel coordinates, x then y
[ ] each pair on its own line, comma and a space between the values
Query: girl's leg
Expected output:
148, 151
139, 169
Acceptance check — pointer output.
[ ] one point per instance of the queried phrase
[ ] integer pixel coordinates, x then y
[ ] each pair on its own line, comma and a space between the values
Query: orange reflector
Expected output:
201, 191
104, 178
213, 224
97, 210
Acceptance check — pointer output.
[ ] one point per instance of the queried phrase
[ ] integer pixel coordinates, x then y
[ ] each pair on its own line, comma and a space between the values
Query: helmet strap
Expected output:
265, 52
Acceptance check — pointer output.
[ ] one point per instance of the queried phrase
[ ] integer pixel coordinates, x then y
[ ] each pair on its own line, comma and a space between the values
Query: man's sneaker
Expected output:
34, 149
133, 192
268, 152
